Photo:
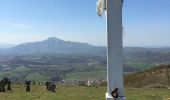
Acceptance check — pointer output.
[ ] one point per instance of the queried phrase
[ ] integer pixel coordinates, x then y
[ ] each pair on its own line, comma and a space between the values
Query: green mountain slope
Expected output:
154, 77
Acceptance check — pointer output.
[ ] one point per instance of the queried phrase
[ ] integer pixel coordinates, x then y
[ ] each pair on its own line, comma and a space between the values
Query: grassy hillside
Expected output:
86, 75
24, 73
147, 94
139, 65
80, 93
19, 72
37, 77
159, 76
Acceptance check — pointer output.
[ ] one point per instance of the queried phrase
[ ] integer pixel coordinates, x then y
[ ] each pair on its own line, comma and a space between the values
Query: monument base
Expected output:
109, 97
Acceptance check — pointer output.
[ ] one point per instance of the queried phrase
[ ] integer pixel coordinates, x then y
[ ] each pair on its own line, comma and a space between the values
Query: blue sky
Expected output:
145, 22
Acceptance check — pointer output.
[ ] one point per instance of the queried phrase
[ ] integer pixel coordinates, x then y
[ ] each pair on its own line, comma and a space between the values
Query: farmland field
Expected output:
80, 93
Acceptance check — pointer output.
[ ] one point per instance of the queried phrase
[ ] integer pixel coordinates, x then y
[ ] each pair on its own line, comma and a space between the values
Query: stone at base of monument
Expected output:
109, 97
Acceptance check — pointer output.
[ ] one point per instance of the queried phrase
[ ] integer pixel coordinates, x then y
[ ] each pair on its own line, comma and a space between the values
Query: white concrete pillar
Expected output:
115, 49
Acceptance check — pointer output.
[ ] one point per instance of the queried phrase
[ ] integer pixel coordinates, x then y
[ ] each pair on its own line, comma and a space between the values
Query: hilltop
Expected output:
39, 92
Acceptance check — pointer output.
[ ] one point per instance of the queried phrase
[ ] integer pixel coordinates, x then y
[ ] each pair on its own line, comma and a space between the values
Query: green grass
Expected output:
18, 72
37, 77
63, 93
86, 75
147, 94
21, 69
80, 93
141, 66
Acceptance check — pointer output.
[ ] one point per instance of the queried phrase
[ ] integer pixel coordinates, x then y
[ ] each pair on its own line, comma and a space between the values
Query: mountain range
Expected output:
3, 45
53, 45
54, 57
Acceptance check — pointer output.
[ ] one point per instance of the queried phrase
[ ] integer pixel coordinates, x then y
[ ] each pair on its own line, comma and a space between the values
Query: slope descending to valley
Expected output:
156, 77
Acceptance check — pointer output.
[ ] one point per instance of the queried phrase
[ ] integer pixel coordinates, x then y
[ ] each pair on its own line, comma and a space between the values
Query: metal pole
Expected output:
115, 49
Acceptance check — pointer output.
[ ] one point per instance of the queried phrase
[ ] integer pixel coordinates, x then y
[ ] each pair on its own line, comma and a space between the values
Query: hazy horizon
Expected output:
29, 21
9, 45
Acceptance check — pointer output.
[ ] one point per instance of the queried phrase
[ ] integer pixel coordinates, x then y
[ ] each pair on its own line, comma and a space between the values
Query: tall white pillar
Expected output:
115, 49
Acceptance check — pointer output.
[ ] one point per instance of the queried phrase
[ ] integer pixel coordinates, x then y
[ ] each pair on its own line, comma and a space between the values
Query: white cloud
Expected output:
22, 26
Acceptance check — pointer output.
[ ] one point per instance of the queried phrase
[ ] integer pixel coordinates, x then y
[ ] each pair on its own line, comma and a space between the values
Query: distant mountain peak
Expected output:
54, 45
54, 38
